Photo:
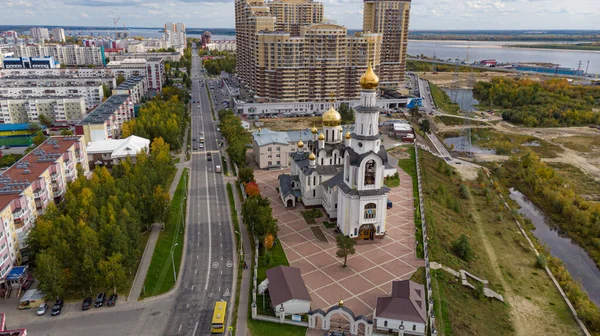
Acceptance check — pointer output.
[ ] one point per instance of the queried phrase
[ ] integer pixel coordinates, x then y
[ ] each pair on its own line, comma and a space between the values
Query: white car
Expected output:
42, 309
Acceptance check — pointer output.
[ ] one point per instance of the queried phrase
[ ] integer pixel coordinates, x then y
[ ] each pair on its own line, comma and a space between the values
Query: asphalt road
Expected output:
208, 272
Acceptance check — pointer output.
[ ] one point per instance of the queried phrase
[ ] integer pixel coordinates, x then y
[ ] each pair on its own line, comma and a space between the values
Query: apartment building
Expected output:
105, 74
175, 34
106, 121
58, 35
389, 18
135, 86
152, 68
165, 56
67, 110
29, 63
287, 54
39, 33
27, 188
26, 87
111, 152
69, 55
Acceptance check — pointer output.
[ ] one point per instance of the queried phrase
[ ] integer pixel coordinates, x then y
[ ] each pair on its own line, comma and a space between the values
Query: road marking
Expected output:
229, 264
226, 292
181, 325
196, 327
219, 288
192, 287
215, 264
197, 257
196, 271
186, 306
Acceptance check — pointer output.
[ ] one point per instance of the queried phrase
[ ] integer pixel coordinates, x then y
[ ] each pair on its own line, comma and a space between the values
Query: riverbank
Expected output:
592, 46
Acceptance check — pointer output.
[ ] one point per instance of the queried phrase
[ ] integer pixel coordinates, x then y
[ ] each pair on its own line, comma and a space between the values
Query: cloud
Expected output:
109, 3
205, 1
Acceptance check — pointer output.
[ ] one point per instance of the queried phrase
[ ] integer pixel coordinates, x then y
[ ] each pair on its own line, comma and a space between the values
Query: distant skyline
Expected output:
425, 14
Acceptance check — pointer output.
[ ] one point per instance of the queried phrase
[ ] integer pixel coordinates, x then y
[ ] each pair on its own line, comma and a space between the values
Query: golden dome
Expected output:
314, 130
311, 156
321, 136
369, 79
300, 144
348, 135
341, 303
332, 117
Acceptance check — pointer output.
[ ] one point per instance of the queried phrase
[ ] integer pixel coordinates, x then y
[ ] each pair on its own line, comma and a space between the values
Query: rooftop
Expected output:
130, 83
285, 283
28, 169
103, 112
119, 148
266, 137
407, 302
42, 81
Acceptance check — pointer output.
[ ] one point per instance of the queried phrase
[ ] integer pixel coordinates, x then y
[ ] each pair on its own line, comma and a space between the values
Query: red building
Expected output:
488, 63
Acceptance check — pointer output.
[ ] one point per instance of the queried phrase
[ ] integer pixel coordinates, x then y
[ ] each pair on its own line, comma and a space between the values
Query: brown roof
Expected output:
285, 283
407, 302
31, 166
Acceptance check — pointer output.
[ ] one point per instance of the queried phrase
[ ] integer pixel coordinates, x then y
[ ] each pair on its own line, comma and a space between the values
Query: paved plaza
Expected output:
370, 271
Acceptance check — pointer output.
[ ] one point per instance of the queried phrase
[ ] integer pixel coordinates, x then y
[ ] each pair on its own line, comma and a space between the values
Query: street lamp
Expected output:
173, 261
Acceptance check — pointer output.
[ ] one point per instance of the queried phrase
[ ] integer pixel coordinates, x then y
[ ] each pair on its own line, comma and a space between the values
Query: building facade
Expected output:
58, 35
136, 87
26, 87
106, 121
47, 62
69, 55
28, 186
175, 34
111, 152
344, 172
389, 18
68, 110
39, 33
153, 69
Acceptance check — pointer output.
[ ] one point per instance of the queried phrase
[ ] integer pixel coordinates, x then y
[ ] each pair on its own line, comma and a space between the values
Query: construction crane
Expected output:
115, 25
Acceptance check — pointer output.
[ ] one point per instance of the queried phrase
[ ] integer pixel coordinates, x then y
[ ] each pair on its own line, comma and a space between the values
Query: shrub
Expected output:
464, 191
541, 261
462, 248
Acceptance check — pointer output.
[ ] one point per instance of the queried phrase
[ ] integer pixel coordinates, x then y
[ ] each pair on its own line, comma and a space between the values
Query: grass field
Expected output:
160, 273
454, 121
442, 100
586, 144
501, 255
583, 184
506, 144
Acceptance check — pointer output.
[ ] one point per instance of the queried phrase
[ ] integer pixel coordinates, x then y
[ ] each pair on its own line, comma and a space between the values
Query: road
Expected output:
208, 272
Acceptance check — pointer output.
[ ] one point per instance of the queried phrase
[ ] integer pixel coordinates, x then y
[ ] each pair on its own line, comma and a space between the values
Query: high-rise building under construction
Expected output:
286, 52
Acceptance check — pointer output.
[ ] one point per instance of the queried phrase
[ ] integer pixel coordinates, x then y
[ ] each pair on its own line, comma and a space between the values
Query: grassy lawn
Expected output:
581, 143
506, 144
310, 215
419, 276
160, 273
392, 181
576, 178
329, 225
442, 100
225, 167
501, 255
409, 167
236, 226
261, 328
318, 233
454, 121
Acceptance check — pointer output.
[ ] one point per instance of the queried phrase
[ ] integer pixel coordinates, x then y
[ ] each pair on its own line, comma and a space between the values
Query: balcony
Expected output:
40, 194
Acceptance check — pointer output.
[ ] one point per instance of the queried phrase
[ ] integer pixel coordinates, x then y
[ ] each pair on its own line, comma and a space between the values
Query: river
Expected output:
480, 50
576, 260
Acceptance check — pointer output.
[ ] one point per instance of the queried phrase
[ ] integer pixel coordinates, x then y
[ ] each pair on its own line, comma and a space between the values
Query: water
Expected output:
457, 142
481, 50
464, 98
575, 259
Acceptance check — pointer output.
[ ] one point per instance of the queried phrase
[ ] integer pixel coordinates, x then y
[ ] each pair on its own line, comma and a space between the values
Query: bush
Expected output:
464, 191
462, 248
541, 261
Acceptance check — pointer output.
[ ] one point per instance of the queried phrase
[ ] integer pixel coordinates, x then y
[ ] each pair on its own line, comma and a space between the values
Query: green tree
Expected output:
39, 138
347, 113
44, 120
162, 202
66, 132
257, 213
246, 174
50, 274
414, 113
120, 79
345, 247
106, 90
462, 248
425, 126
113, 272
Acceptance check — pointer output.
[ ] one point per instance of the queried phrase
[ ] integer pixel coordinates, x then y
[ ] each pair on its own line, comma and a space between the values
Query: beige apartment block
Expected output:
389, 18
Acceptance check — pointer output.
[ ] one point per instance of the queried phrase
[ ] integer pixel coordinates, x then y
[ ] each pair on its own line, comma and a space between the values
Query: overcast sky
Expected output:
425, 14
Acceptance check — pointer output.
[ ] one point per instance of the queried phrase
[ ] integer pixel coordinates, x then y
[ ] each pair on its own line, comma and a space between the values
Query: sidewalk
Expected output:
142, 271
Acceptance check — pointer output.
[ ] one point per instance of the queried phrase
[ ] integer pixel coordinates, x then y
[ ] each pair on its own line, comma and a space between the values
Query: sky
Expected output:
425, 14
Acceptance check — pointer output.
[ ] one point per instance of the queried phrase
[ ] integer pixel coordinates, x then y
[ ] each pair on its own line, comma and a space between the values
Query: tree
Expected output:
50, 274
106, 90
246, 174
347, 113
162, 203
113, 272
120, 79
268, 243
462, 248
66, 132
252, 189
345, 247
258, 214
44, 120
414, 113
39, 138
425, 126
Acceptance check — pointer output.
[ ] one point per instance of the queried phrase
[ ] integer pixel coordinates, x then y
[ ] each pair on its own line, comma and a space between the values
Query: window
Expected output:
385, 323
370, 211
355, 231
314, 180
270, 149
314, 192
414, 327
370, 172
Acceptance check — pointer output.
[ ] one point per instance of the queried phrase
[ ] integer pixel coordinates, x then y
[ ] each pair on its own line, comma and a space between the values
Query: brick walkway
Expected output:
370, 271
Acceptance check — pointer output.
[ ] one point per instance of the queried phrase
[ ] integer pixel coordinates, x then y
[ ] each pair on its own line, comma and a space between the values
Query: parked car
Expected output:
57, 308
112, 300
42, 309
194, 138
201, 145
100, 300
389, 204
87, 303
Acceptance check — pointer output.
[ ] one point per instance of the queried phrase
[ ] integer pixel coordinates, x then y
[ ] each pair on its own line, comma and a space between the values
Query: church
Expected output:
344, 173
